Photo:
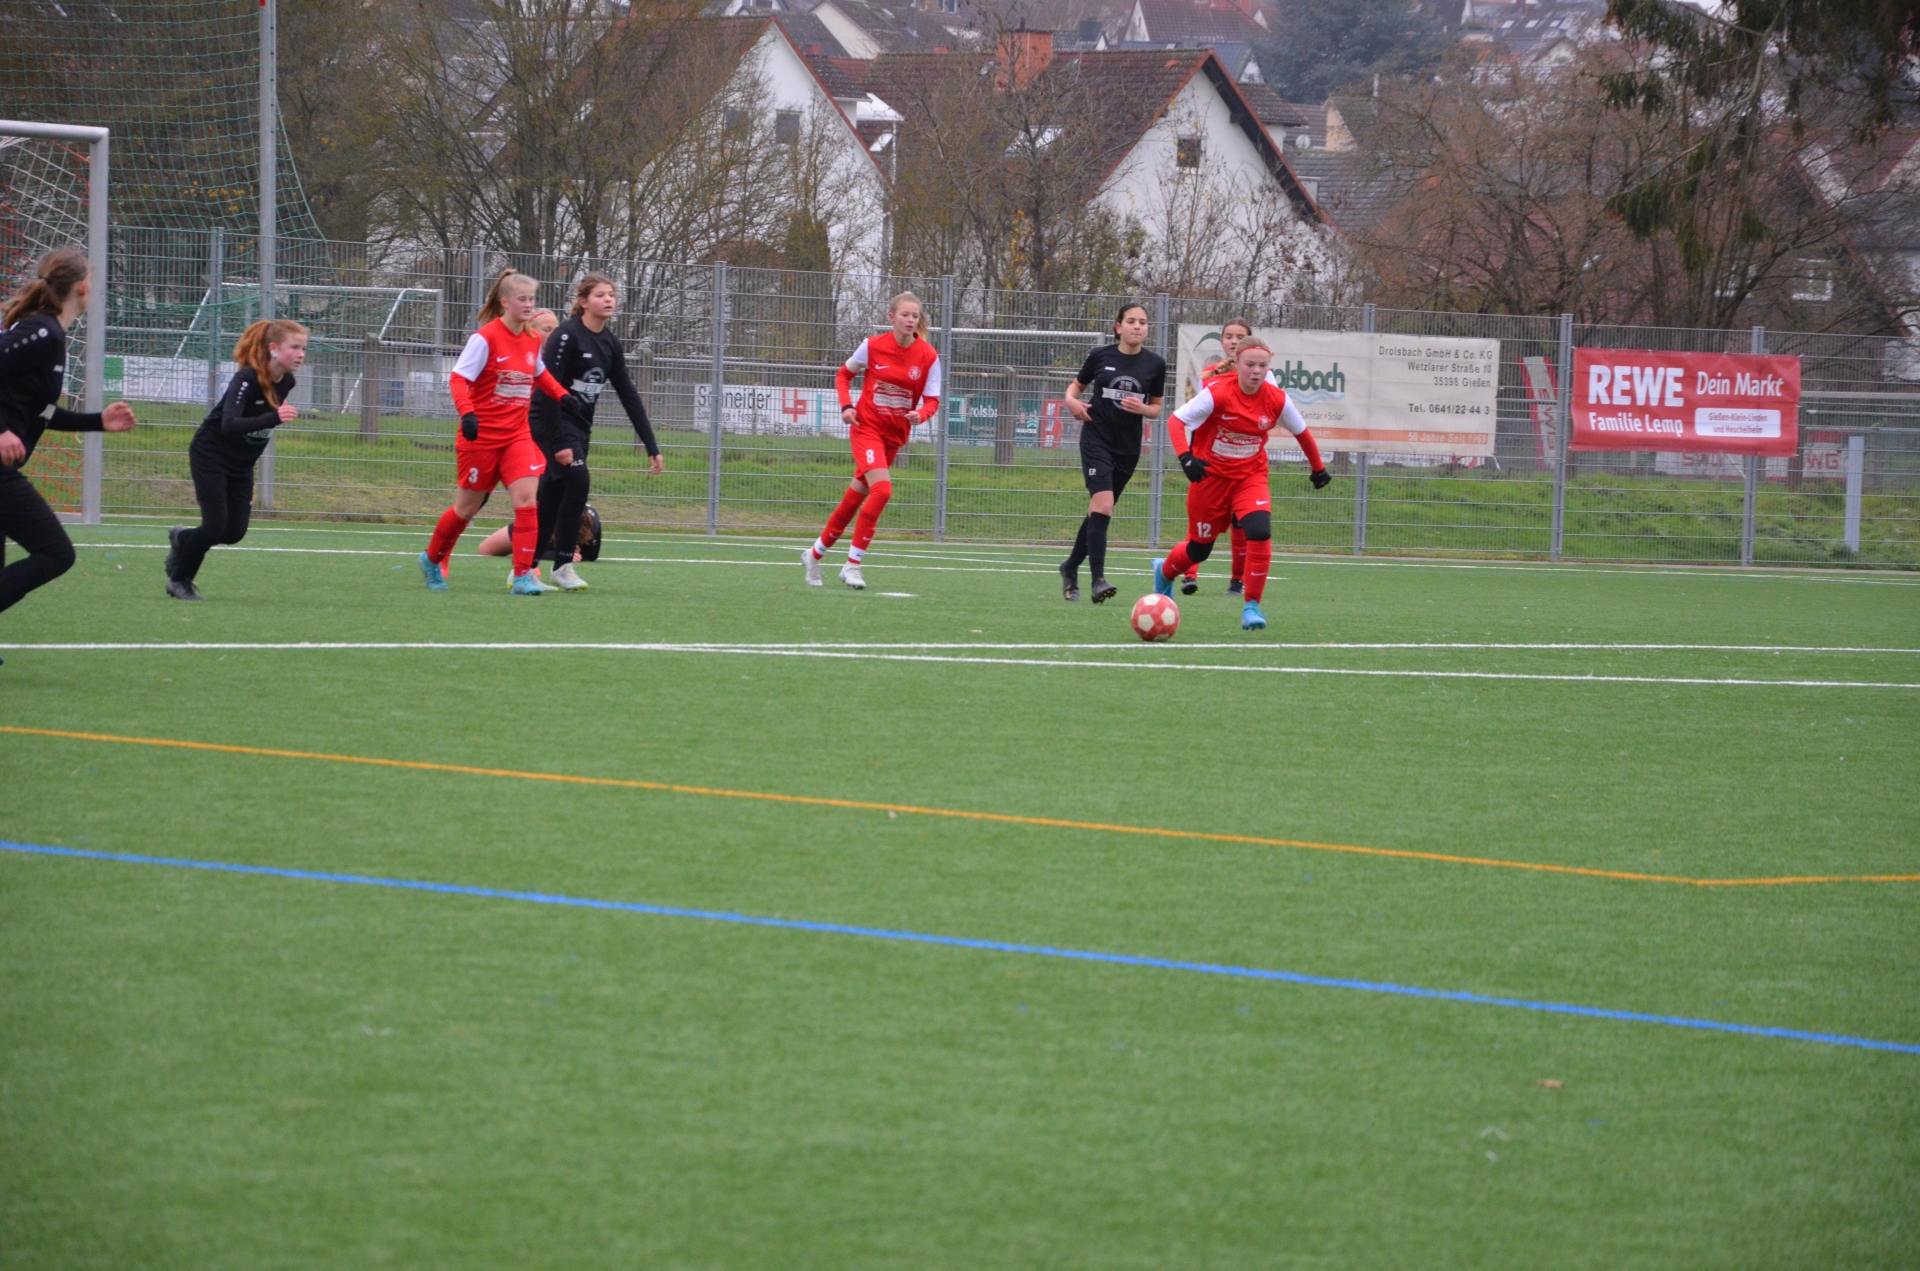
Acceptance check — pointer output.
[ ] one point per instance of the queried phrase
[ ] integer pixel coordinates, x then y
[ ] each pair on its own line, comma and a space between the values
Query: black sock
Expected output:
1079, 552
1097, 542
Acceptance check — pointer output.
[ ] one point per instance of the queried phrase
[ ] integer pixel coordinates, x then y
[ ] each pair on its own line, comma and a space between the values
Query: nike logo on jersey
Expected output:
503, 357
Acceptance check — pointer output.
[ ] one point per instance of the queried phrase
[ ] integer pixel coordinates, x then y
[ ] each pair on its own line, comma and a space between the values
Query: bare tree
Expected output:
1506, 187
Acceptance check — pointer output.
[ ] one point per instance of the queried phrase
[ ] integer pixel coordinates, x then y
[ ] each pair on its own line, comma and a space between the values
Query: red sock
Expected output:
445, 535
870, 514
1259, 562
1178, 562
841, 518
1193, 571
1240, 552
526, 534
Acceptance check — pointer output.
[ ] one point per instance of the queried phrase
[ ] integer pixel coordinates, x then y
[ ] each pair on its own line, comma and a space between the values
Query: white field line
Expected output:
624, 560
873, 656
1704, 571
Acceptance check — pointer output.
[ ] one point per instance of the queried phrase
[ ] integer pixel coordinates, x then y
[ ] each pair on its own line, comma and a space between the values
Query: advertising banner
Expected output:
1698, 403
777, 412
1377, 394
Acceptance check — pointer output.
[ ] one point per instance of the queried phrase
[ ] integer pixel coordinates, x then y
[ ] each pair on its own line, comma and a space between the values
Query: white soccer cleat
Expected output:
850, 575
566, 580
812, 563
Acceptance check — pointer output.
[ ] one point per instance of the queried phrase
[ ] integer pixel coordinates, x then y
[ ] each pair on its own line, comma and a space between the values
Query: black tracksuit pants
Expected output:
225, 496
563, 499
27, 520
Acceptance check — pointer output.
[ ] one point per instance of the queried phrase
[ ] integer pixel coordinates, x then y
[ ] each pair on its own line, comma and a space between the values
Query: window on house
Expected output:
1813, 282
739, 121
1187, 152
1738, 279
786, 127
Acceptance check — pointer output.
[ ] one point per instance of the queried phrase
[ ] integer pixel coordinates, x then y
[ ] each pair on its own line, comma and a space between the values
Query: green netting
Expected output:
178, 83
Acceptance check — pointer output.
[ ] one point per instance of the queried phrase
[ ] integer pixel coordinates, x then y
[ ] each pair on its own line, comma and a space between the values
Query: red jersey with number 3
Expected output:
1232, 435
896, 381
500, 370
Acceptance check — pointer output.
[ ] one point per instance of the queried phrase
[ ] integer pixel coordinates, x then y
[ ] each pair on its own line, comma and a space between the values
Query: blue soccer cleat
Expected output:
436, 579
1161, 583
1251, 619
528, 584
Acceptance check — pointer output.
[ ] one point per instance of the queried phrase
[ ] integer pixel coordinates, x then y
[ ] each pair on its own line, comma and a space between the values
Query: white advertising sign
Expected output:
1378, 394
777, 412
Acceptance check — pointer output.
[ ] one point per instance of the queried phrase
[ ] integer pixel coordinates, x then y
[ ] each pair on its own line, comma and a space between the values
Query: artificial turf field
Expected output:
212, 1069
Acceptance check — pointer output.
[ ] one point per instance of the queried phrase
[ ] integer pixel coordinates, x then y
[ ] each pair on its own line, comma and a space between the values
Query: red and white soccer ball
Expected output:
1155, 617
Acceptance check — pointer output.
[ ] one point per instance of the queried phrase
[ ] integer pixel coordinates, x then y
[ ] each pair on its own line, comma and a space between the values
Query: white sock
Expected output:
819, 549
853, 555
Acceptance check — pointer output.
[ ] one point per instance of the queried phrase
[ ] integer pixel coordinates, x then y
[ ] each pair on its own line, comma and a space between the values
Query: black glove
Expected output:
1193, 466
470, 426
1321, 478
576, 405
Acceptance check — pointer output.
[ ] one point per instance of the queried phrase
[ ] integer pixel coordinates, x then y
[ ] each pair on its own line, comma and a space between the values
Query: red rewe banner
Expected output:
1701, 403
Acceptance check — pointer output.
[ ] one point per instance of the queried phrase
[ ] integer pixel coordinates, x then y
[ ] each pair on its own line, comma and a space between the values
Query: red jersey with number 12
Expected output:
896, 380
1232, 436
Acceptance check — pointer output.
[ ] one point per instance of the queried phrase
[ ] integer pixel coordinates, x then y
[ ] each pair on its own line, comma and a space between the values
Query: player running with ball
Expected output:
901, 388
1227, 463
493, 383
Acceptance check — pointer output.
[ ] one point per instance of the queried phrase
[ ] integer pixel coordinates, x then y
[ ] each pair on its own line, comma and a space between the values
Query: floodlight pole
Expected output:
269, 150
94, 361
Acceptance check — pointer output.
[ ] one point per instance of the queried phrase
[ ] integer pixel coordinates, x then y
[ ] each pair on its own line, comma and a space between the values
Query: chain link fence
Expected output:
756, 350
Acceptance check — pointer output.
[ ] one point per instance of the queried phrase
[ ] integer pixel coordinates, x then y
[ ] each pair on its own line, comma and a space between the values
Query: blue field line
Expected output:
994, 946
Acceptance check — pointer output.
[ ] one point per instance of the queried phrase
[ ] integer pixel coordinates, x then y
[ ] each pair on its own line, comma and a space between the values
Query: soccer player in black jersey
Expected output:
1123, 383
33, 375
585, 357
229, 443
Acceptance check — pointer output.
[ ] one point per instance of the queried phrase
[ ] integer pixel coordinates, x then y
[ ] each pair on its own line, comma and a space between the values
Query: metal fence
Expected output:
757, 349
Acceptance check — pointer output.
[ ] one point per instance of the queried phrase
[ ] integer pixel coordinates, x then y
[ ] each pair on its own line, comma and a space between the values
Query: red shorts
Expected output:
872, 449
486, 463
1217, 501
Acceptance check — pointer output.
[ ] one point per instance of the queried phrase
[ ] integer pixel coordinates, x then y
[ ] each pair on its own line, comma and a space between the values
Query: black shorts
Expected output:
1104, 465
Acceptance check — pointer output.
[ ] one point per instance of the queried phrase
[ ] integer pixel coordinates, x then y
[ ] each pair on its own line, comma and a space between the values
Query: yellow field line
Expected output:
957, 814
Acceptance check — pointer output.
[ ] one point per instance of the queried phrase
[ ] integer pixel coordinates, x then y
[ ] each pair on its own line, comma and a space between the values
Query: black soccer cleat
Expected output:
182, 589
1235, 587
1069, 583
173, 550
1189, 584
1103, 591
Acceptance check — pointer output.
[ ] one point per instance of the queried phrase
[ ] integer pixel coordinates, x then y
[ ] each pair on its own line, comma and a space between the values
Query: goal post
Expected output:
94, 360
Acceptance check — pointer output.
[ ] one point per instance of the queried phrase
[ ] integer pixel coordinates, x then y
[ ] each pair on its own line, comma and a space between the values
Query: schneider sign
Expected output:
1378, 394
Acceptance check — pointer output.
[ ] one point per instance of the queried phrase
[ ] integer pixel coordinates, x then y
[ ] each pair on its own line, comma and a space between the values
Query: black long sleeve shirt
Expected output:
236, 431
586, 361
33, 374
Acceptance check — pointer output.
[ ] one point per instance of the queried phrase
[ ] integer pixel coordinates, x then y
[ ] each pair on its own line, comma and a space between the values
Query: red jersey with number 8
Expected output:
896, 380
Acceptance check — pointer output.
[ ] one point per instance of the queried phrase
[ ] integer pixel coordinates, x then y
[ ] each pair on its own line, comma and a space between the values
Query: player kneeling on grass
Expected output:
586, 545
229, 443
1227, 465
900, 388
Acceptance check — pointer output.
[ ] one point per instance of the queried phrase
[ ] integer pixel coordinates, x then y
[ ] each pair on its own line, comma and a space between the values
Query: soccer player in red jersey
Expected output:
1231, 333
492, 384
1227, 463
900, 388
